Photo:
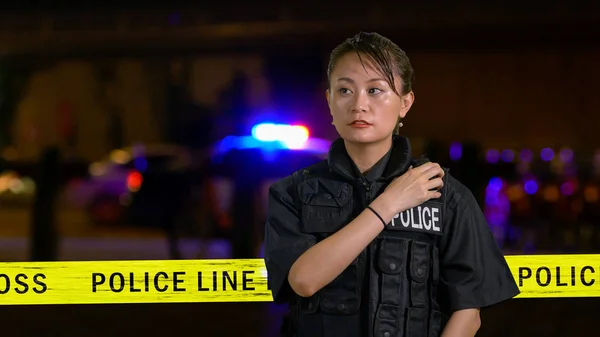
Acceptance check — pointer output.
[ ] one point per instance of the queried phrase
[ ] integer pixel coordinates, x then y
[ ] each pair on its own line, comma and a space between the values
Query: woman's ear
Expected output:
407, 102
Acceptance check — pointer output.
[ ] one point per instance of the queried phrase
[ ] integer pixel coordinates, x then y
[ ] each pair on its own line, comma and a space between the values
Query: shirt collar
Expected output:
393, 164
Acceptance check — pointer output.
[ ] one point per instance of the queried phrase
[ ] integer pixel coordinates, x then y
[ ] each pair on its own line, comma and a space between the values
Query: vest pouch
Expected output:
388, 321
416, 322
420, 259
391, 258
436, 266
343, 295
326, 205
310, 305
338, 299
392, 252
309, 320
435, 324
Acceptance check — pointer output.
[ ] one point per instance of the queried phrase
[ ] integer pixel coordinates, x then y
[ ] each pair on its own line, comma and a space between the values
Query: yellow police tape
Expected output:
236, 280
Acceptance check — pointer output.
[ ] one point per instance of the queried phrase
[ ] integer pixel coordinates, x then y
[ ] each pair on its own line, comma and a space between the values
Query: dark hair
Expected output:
390, 60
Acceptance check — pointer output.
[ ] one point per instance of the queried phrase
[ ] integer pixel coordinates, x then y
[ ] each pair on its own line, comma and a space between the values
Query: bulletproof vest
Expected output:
408, 263
401, 264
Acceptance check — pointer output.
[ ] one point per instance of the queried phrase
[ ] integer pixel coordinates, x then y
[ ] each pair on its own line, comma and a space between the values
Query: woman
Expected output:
371, 242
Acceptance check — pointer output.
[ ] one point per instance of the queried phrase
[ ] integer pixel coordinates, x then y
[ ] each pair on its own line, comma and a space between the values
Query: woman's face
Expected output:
364, 107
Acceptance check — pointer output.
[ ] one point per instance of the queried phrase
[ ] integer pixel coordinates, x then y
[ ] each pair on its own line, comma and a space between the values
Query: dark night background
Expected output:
506, 96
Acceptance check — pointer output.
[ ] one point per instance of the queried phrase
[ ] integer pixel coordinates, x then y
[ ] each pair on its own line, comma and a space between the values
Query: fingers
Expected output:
434, 194
434, 184
423, 168
435, 173
441, 172
426, 167
430, 170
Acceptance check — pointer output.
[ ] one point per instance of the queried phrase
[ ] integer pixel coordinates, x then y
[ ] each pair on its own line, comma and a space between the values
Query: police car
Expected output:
272, 151
106, 194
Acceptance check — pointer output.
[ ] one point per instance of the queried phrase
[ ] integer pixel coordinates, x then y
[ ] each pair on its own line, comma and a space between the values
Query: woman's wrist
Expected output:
382, 205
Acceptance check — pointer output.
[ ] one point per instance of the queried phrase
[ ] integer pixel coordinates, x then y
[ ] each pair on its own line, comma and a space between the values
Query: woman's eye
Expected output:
344, 90
374, 91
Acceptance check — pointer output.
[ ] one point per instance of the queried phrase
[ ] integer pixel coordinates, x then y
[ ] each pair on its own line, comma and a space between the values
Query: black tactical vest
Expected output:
390, 288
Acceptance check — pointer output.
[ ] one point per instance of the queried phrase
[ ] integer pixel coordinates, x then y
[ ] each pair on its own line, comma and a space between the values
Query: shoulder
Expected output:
290, 183
457, 195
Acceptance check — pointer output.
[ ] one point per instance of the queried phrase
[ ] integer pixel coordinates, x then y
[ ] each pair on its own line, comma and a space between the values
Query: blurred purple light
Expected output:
491, 199
547, 154
492, 156
140, 163
567, 188
496, 218
495, 185
530, 187
526, 155
456, 151
566, 155
508, 156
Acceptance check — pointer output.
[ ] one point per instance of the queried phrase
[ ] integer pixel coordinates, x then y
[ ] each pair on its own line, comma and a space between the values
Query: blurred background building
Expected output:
123, 130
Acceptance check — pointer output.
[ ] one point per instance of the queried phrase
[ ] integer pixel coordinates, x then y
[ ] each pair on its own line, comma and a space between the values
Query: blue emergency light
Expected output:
291, 136
271, 137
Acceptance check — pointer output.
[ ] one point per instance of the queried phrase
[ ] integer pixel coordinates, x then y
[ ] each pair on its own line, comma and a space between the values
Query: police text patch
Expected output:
426, 218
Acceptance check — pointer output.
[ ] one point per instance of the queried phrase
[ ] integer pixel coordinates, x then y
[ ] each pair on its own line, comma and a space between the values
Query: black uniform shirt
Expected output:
473, 271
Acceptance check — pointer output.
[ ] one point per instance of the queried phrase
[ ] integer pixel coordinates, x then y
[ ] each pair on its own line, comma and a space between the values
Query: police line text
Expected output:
173, 281
22, 284
544, 276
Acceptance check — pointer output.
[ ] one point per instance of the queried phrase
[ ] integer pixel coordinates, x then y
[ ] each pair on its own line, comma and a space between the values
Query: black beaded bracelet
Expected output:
377, 214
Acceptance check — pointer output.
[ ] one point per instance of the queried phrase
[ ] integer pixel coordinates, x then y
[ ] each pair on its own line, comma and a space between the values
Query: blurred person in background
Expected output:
246, 182
357, 244
233, 108
589, 217
472, 173
43, 221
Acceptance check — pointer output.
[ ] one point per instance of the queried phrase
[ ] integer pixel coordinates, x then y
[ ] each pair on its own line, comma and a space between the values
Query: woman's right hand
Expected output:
414, 187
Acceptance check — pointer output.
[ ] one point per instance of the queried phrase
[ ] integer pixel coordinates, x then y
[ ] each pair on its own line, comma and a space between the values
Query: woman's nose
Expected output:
361, 103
